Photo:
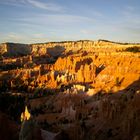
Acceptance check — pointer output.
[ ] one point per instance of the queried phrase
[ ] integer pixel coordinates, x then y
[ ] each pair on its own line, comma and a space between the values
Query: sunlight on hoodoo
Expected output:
25, 115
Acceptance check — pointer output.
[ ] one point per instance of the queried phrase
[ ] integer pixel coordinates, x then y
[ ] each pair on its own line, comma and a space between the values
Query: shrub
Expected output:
134, 49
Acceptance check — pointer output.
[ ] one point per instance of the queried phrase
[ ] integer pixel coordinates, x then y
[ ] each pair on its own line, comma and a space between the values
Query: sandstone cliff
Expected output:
57, 48
89, 89
14, 49
102, 65
73, 47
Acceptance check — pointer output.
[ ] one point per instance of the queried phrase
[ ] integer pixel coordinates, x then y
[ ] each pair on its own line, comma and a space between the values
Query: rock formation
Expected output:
81, 90
25, 115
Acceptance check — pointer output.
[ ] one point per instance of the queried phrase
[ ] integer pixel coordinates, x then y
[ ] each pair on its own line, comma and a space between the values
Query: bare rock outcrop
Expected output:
14, 49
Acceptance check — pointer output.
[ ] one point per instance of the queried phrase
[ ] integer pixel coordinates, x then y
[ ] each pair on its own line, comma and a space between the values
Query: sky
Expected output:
34, 21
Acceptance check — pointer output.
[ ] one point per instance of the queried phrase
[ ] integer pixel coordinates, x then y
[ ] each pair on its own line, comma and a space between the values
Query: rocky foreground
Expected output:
83, 90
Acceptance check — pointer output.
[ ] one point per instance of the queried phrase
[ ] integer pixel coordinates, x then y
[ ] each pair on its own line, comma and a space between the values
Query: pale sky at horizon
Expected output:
32, 21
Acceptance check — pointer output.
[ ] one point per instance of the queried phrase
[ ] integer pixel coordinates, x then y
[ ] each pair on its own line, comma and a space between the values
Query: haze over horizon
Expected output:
31, 21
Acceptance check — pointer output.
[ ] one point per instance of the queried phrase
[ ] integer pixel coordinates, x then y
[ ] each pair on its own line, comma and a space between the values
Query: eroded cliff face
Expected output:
104, 71
100, 65
56, 49
14, 49
74, 47
89, 89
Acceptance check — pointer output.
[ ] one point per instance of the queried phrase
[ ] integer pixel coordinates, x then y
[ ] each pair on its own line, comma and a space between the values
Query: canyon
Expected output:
77, 90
